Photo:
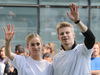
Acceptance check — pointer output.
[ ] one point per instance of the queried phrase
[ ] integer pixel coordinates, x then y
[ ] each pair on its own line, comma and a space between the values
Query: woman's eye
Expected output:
38, 44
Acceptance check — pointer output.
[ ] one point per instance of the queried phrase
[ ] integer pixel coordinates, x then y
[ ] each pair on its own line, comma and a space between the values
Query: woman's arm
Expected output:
9, 33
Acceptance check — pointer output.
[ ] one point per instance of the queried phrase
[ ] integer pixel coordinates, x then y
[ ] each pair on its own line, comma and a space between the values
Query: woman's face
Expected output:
35, 46
2, 52
96, 51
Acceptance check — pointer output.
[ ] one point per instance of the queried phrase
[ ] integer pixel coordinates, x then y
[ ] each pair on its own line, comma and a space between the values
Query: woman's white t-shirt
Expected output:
28, 66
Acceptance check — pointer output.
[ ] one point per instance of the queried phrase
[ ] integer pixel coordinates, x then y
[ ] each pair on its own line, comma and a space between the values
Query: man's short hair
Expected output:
64, 24
20, 48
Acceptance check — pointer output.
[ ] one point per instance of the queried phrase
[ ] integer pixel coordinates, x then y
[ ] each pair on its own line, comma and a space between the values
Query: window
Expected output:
63, 2
24, 19
18, 1
95, 22
42, 17
50, 17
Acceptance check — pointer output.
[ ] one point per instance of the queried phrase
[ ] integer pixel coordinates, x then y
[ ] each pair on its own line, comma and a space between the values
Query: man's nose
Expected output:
65, 34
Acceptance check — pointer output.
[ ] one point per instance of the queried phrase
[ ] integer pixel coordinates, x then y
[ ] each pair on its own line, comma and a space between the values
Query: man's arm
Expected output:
74, 16
8, 37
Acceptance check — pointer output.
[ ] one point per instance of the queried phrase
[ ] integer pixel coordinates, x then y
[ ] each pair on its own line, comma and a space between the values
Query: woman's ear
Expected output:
41, 43
27, 46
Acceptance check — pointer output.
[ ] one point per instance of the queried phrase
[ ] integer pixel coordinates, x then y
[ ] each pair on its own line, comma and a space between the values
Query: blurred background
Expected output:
42, 17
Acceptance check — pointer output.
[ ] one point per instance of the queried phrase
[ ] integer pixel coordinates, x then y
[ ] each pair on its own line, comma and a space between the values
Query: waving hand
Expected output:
73, 12
9, 33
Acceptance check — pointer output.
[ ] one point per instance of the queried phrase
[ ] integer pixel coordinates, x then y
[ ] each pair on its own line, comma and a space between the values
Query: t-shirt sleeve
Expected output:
17, 62
87, 52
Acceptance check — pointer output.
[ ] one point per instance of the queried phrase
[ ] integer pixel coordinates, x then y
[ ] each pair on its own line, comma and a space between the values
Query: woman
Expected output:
33, 64
95, 60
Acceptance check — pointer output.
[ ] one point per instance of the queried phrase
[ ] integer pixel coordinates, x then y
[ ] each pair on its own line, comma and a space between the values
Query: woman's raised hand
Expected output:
9, 33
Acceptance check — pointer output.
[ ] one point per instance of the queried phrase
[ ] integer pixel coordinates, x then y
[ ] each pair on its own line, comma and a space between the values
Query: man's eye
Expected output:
67, 32
32, 44
38, 44
61, 33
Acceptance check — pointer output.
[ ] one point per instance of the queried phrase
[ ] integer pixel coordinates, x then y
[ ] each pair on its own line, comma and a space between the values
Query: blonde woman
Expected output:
33, 64
95, 60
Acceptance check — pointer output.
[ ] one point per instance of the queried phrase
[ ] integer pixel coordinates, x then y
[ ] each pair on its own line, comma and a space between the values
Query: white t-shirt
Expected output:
73, 62
2, 67
29, 66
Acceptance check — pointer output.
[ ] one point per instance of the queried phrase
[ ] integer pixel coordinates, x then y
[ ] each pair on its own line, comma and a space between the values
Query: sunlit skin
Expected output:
66, 36
34, 46
96, 52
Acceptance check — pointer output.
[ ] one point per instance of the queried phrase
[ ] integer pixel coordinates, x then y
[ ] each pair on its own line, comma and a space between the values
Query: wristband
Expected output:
76, 22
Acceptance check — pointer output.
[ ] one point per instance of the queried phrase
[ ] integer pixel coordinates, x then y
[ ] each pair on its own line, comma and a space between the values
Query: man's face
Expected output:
66, 36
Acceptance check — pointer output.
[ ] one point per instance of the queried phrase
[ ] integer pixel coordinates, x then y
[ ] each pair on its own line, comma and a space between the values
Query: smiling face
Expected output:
35, 46
2, 52
96, 51
66, 35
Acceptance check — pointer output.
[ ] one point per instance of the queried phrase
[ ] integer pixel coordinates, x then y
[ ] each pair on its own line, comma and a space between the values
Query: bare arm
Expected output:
74, 16
8, 37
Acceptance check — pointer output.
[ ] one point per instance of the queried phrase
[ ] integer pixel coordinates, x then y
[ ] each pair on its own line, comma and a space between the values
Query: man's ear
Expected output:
17, 52
74, 35
27, 46
58, 37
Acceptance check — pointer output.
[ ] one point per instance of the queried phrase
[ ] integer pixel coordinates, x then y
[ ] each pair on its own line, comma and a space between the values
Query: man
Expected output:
74, 59
19, 49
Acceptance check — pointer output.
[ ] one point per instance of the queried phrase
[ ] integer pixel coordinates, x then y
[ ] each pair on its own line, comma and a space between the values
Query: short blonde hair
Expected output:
64, 24
32, 35
98, 44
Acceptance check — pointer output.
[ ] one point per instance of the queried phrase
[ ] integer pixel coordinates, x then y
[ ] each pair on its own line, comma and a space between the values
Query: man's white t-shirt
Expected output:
73, 62
29, 66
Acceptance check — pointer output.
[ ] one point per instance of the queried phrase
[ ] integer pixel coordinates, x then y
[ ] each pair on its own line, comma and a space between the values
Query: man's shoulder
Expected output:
59, 54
